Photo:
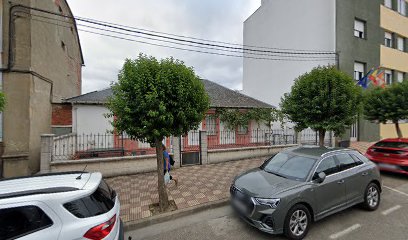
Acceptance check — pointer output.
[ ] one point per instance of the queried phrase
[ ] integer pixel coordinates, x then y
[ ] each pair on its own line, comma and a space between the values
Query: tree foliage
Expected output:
387, 104
2, 101
236, 117
324, 99
155, 99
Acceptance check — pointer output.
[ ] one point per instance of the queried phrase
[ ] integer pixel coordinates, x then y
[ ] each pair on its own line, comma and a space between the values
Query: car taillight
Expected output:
102, 230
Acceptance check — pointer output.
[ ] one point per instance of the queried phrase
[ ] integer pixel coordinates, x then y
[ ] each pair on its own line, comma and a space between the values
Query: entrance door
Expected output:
190, 148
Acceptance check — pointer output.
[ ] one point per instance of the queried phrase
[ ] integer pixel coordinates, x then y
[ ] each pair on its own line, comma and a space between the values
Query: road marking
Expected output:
345, 231
390, 210
395, 190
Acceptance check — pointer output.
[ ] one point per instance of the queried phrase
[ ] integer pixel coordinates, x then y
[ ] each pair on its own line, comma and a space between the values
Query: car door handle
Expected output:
341, 181
364, 173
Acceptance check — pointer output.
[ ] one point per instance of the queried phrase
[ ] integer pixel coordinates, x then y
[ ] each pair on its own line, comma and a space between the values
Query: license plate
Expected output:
387, 166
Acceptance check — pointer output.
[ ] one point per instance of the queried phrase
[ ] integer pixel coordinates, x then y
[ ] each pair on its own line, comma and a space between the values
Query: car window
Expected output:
358, 158
345, 161
391, 144
20, 221
100, 202
328, 166
290, 166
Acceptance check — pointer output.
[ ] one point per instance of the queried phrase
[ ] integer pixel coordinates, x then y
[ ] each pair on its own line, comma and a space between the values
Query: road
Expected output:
388, 222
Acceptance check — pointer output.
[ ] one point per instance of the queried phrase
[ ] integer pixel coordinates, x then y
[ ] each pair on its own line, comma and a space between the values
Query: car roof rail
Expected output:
38, 191
43, 175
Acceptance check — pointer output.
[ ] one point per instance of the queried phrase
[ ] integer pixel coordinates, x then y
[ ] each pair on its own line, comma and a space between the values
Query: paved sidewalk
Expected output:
197, 185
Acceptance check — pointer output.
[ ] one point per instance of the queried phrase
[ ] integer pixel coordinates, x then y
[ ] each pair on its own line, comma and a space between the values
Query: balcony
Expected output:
394, 59
393, 21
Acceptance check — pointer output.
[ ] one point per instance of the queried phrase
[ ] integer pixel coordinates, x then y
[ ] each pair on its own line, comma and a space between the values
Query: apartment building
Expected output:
363, 34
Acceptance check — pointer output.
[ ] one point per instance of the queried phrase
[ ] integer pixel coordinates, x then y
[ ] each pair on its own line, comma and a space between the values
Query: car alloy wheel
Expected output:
372, 197
298, 222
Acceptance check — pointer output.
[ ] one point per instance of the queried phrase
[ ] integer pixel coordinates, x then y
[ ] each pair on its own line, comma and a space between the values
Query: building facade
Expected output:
41, 65
355, 30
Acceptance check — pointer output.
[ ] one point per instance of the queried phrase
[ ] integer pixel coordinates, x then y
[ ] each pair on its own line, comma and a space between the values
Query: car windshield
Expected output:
290, 166
392, 144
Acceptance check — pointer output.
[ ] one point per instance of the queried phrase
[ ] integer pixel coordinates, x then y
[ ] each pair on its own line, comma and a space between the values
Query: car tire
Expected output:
297, 222
372, 197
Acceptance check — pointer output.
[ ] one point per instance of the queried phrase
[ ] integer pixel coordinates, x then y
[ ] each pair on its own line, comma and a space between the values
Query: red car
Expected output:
390, 155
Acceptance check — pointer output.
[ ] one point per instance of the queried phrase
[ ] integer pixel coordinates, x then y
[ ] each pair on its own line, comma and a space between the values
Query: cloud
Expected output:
210, 19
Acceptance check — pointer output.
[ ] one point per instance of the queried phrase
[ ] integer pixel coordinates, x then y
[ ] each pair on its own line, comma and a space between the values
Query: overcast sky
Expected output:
208, 19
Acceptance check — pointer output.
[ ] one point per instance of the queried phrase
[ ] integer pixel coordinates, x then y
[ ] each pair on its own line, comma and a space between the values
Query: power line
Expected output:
287, 58
109, 25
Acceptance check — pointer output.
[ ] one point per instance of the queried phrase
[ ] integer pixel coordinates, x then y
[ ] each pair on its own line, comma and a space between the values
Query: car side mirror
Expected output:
320, 177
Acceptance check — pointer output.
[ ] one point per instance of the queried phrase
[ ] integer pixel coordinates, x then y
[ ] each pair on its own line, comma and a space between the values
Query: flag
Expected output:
363, 82
377, 77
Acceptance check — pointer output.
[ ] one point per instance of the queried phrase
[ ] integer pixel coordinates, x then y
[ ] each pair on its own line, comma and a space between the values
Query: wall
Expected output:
286, 24
132, 165
352, 49
41, 74
90, 119
388, 130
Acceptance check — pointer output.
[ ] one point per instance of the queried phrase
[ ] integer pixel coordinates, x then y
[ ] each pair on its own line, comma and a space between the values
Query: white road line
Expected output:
390, 210
395, 190
345, 231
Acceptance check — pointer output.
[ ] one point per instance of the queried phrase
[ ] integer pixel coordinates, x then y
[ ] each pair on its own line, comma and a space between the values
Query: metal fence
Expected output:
255, 137
311, 137
73, 146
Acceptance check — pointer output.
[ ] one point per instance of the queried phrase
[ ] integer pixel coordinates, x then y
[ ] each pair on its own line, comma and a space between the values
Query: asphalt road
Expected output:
388, 222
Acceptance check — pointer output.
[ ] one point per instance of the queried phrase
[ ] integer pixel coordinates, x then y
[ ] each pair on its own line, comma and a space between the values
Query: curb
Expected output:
133, 225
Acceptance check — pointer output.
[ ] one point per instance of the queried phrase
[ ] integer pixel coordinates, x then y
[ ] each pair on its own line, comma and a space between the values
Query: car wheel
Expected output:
297, 222
372, 197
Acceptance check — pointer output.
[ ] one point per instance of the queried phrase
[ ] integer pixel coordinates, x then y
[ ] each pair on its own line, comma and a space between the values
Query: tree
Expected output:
387, 104
2, 101
155, 99
324, 99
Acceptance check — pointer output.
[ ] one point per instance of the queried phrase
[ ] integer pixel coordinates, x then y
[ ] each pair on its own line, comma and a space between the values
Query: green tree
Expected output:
155, 99
387, 104
324, 99
2, 101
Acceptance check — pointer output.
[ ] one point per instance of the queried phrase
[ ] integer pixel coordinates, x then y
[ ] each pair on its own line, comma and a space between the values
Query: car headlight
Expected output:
271, 202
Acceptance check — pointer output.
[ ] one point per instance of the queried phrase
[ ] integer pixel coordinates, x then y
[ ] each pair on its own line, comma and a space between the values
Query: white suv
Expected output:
59, 206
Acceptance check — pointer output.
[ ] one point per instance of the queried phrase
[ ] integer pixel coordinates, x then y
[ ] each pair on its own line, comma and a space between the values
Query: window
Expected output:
388, 39
400, 43
400, 76
388, 77
358, 70
242, 129
345, 161
401, 8
359, 28
388, 3
210, 125
100, 202
19, 221
328, 166
290, 166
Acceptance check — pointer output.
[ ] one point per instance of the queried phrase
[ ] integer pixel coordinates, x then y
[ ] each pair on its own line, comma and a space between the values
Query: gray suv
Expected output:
304, 184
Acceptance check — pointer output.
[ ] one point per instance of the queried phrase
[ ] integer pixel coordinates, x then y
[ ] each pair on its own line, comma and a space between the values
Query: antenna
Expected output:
80, 176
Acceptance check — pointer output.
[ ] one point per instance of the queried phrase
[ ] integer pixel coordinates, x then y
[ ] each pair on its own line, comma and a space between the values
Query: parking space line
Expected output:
390, 210
345, 231
395, 190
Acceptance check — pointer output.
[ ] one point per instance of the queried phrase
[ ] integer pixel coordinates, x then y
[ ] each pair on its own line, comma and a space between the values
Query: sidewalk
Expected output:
197, 185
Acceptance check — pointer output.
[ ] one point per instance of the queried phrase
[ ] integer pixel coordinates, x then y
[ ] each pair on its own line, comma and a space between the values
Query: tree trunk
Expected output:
397, 127
322, 133
163, 198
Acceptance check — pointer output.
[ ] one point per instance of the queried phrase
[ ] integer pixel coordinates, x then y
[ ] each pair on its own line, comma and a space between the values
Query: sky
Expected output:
210, 19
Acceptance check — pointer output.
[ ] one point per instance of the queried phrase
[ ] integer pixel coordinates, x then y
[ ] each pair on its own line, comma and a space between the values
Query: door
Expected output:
331, 193
353, 176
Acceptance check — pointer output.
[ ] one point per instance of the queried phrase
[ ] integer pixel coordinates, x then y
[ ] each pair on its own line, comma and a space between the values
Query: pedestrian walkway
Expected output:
197, 185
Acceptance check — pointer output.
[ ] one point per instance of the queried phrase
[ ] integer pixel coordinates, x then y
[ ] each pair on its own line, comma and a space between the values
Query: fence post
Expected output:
176, 151
203, 147
299, 137
47, 145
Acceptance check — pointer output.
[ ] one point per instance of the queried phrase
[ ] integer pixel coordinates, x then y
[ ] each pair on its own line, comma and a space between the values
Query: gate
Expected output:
190, 144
